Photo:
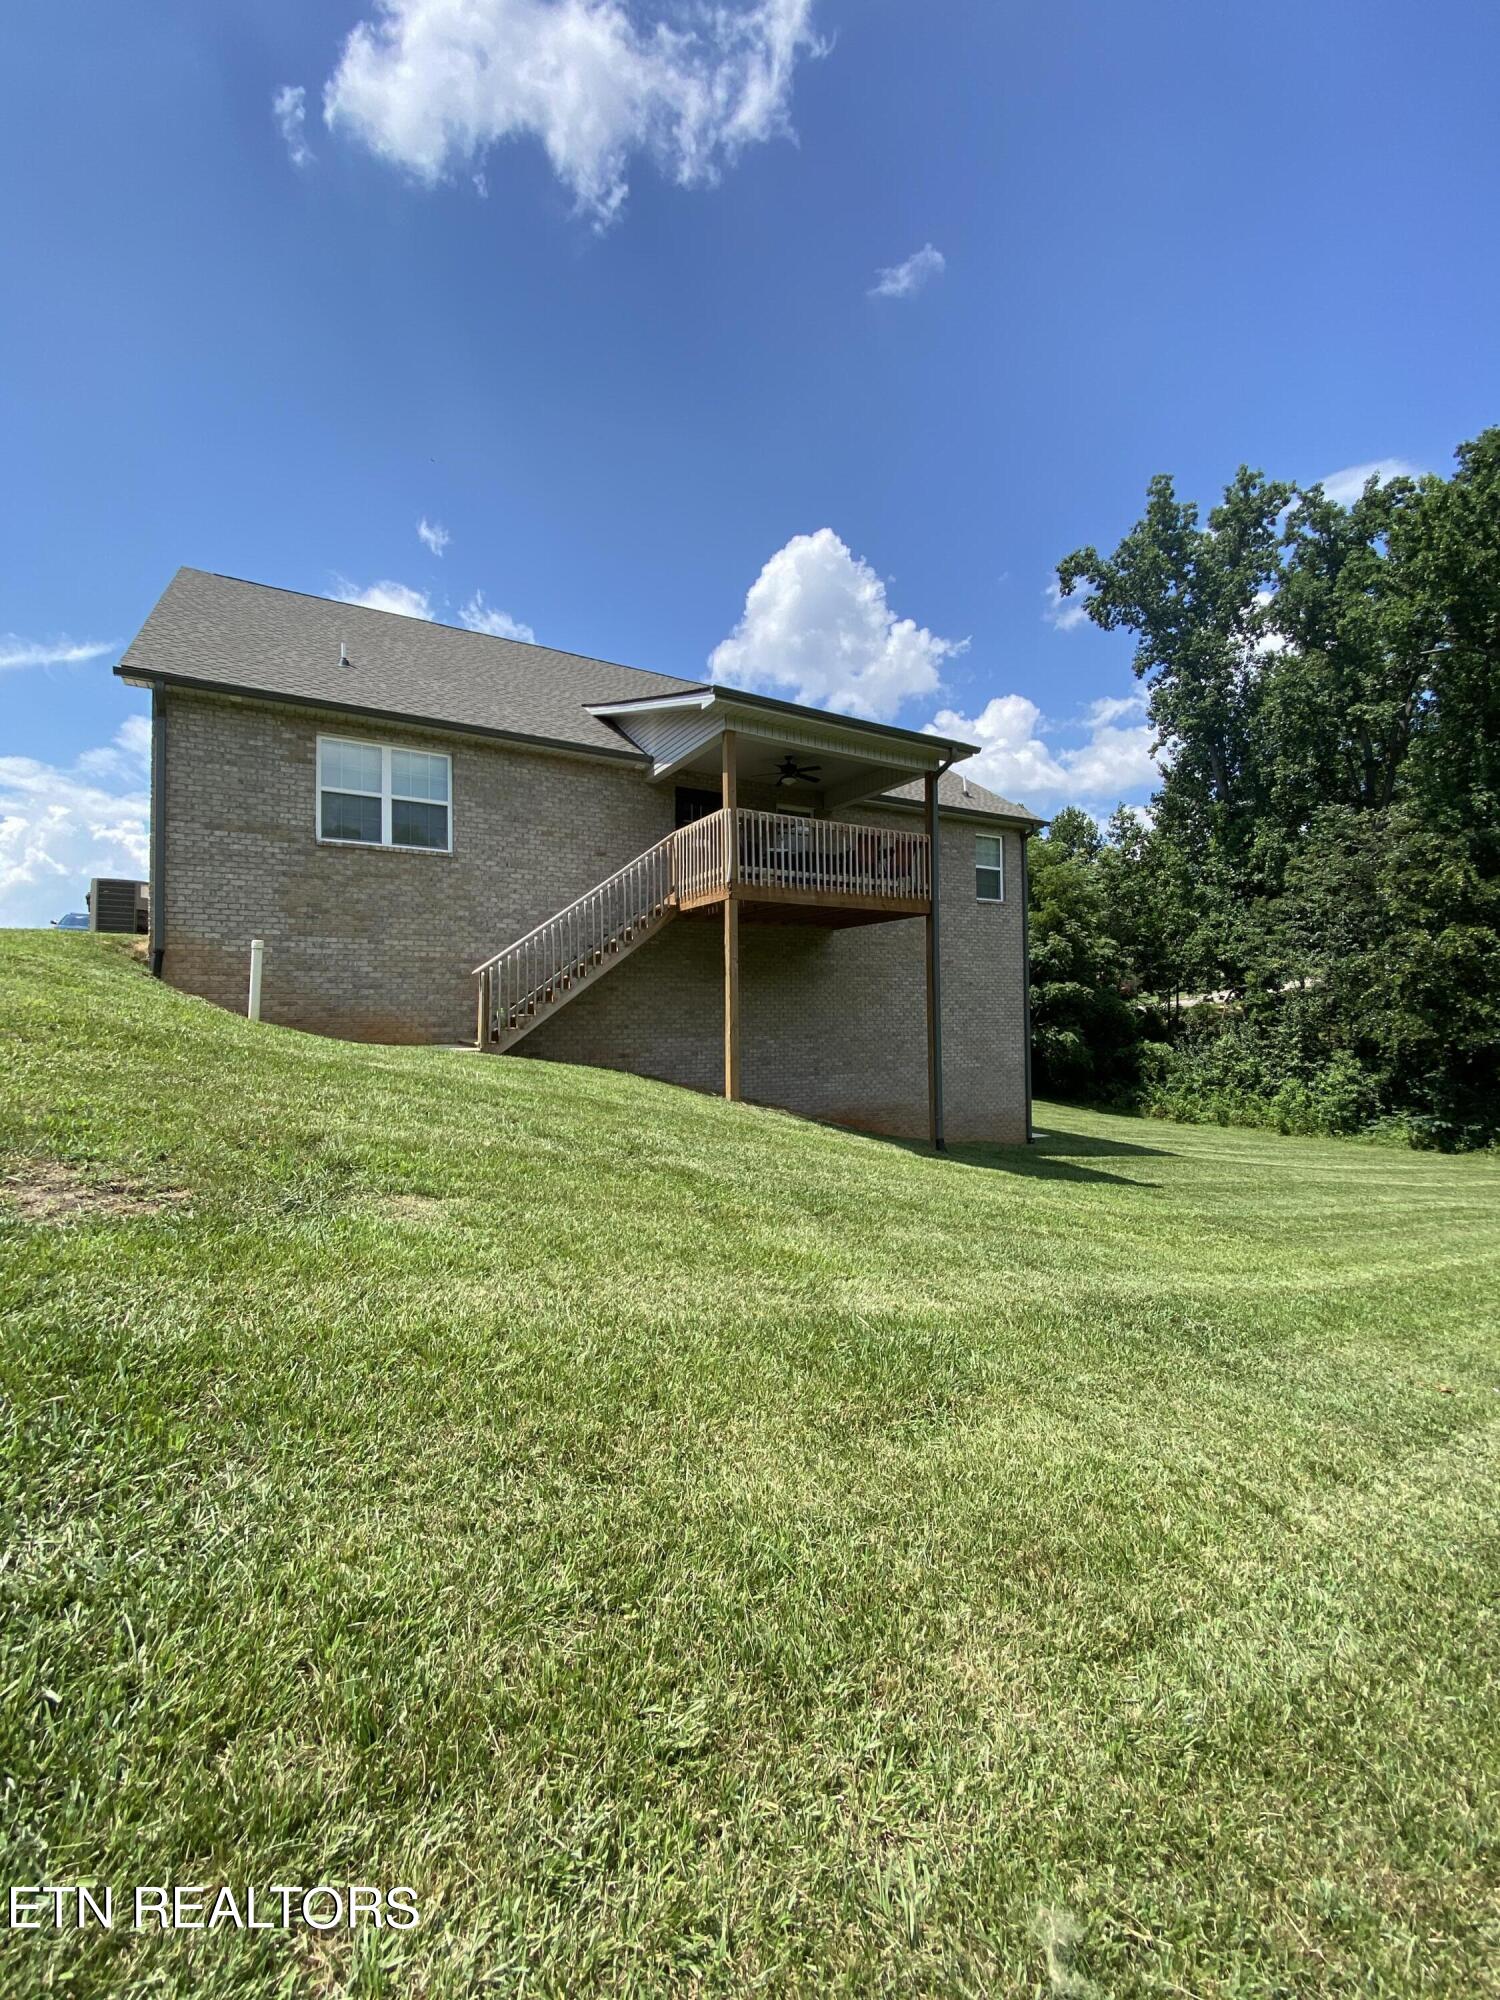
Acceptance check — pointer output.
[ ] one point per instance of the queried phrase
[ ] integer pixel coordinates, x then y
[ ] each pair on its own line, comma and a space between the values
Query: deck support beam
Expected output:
730, 772
934, 972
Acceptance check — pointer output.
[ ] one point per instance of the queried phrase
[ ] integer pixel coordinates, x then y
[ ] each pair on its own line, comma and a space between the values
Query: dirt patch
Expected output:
47, 1191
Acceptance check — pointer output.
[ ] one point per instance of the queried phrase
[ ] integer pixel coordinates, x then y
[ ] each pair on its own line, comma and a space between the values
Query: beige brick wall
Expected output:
377, 944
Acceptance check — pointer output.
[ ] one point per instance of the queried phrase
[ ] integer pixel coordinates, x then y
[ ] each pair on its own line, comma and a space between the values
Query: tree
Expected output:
1147, 889
1350, 663
1448, 553
1085, 1033
1396, 921
1195, 597
1324, 682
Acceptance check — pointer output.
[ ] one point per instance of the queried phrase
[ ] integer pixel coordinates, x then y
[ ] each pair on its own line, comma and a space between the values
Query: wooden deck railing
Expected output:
775, 853
827, 856
701, 849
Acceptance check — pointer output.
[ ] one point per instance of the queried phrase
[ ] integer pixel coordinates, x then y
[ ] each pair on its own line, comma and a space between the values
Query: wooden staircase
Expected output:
527, 982
780, 867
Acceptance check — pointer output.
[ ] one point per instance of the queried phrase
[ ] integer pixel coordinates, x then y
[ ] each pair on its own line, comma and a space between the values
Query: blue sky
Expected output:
596, 290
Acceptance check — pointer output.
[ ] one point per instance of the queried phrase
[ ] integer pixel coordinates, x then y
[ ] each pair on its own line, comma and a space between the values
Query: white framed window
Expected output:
989, 868
380, 795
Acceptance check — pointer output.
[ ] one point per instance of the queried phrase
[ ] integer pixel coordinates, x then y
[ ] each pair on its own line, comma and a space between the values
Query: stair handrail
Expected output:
600, 923
588, 896
682, 870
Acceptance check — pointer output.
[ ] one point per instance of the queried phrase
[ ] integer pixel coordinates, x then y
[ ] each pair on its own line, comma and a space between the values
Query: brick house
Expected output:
440, 835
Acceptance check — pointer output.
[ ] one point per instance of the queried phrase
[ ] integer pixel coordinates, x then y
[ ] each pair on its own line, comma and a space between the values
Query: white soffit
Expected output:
670, 737
675, 731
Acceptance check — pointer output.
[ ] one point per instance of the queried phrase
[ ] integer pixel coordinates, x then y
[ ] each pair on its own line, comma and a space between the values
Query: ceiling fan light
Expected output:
790, 772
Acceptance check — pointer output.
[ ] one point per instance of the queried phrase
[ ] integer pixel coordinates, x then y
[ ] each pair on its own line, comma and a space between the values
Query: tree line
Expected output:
1304, 929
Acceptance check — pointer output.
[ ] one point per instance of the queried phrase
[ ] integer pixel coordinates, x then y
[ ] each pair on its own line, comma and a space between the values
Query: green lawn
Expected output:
703, 1552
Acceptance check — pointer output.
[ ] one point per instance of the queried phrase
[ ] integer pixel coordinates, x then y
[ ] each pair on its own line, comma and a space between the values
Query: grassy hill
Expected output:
705, 1552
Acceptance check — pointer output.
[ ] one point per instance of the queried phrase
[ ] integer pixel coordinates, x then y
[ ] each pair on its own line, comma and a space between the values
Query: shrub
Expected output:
1255, 1075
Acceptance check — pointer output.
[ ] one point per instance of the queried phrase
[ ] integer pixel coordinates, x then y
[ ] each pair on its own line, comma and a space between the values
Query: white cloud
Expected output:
479, 617
1346, 485
401, 598
903, 281
434, 534
18, 652
1114, 707
432, 85
59, 827
817, 626
1113, 762
1013, 759
1066, 613
127, 756
1017, 760
386, 596
289, 109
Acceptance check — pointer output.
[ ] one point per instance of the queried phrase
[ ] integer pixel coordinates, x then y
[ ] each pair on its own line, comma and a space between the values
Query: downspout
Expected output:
1026, 976
158, 891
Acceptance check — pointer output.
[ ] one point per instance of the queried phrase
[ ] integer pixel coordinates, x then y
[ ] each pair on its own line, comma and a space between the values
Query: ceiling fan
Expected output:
790, 772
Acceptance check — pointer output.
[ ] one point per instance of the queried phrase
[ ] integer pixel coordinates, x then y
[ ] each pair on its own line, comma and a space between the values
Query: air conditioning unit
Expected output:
119, 906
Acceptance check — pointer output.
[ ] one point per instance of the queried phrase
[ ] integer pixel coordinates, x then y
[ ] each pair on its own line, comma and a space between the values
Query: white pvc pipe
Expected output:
257, 954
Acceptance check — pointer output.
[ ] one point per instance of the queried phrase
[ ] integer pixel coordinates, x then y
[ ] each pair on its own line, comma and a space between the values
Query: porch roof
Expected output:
782, 746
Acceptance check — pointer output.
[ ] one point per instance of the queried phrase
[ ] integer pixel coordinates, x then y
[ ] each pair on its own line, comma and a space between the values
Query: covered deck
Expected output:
784, 869
780, 857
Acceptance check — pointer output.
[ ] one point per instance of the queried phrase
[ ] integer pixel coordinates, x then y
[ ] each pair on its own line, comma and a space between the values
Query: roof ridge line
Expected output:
437, 624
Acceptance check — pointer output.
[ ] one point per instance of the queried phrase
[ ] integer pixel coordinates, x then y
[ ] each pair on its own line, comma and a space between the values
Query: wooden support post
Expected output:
934, 972
483, 1037
731, 918
730, 751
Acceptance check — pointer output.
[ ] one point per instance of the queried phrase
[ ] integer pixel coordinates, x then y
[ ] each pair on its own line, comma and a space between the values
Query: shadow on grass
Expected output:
1074, 1146
1051, 1156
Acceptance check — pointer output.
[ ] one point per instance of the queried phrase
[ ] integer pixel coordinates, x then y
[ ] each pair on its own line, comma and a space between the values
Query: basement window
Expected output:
989, 868
378, 795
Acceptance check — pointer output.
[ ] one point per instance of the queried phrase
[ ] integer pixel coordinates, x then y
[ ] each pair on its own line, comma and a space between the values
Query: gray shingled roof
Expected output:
219, 632
956, 793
